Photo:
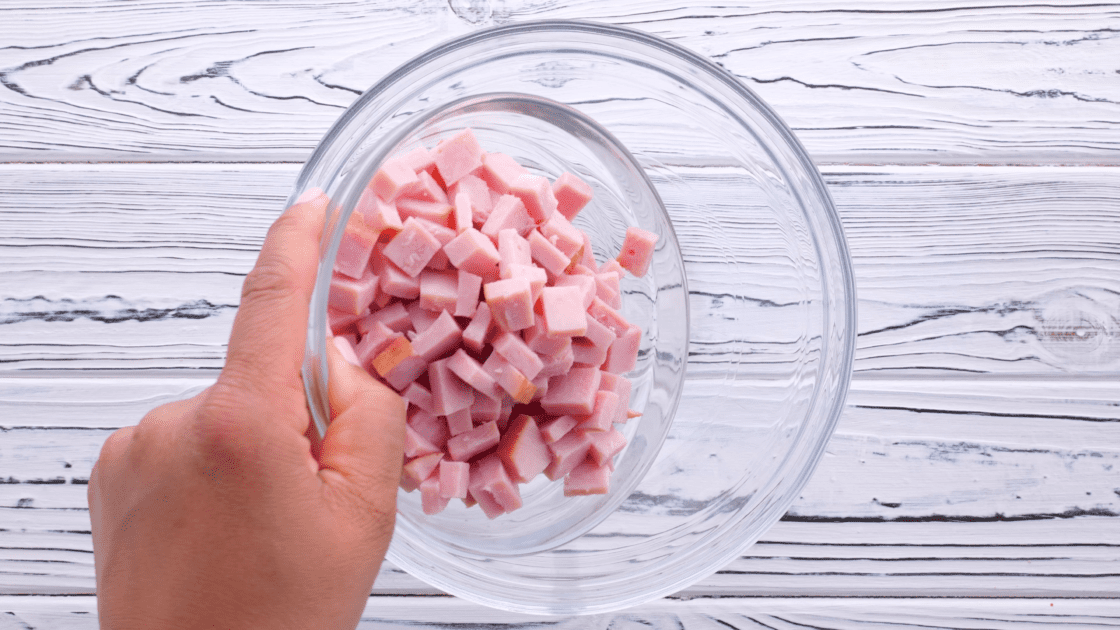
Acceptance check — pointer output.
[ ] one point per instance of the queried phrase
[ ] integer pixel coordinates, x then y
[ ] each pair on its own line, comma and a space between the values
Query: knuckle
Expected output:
219, 434
269, 280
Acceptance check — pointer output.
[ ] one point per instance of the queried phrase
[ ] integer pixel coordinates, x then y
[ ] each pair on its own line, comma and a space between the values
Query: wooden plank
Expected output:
959, 271
882, 83
994, 487
742, 613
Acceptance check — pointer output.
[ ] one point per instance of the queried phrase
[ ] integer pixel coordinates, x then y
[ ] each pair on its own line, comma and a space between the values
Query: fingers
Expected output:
360, 457
267, 342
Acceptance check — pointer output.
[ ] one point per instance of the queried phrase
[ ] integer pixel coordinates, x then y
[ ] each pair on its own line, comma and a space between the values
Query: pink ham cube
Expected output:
467, 289
508, 214
420, 318
586, 286
477, 333
473, 252
461, 212
556, 428
458, 156
418, 396
510, 302
417, 470
608, 317
427, 190
416, 445
572, 393
396, 351
471, 373
567, 453
603, 415
434, 211
637, 250
587, 255
559, 363
562, 312
399, 284
454, 477
572, 194
588, 478
512, 250
478, 194
379, 215
352, 296
393, 179
486, 409
466, 445
374, 341
519, 388
536, 193
429, 426
499, 171
459, 422
545, 254
355, 247
489, 476
523, 450
623, 354
430, 499
562, 234
621, 386
605, 445
419, 159
341, 321
412, 248
449, 393
538, 340
439, 290
395, 316
408, 370
537, 277
439, 339
510, 347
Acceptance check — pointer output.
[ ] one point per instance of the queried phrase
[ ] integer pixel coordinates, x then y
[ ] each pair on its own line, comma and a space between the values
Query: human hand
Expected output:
214, 513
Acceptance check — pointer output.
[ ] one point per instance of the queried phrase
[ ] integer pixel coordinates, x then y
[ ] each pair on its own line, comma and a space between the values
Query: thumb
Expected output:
360, 456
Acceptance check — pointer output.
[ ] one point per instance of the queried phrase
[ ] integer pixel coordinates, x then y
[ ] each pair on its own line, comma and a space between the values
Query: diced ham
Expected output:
393, 179
379, 215
439, 290
454, 477
519, 388
374, 341
434, 211
489, 476
467, 289
537, 338
478, 194
562, 234
510, 303
355, 247
419, 159
605, 445
473, 252
439, 339
637, 250
512, 250
461, 212
395, 316
427, 190
406, 371
557, 428
559, 363
538, 278
341, 321
603, 415
612, 266
587, 256
430, 426
572, 393
623, 354
536, 193
562, 312
523, 450
418, 396
457, 156
417, 470
499, 171
620, 386
397, 283
508, 214
545, 254
466, 445
416, 445
431, 501
352, 296
608, 317
477, 333
420, 318
567, 453
471, 373
346, 349
398, 350
490, 506
486, 409
586, 285
511, 348
459, 421
412, 248
587, 478
449, 393
608, 290
572, 194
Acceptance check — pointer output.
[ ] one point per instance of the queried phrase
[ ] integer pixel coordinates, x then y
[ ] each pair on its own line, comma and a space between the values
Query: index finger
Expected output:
266, 344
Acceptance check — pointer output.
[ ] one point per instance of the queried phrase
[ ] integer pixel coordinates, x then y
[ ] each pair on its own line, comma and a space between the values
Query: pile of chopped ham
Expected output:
461, 283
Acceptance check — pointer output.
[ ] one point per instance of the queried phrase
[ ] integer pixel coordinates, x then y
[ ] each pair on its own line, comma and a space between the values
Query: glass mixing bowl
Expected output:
748, 310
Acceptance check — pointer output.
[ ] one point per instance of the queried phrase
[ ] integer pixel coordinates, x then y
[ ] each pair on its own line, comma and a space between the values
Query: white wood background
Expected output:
972, 149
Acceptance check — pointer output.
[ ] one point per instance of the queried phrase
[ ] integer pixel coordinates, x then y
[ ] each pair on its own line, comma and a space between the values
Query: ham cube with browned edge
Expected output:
352, 296
355, 247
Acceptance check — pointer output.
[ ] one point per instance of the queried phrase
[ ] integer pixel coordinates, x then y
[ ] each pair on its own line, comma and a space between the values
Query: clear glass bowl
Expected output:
748, 310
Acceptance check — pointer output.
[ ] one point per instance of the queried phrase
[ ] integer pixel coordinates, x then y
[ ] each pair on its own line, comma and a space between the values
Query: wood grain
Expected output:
950, 82
970, 489
741, 613
959, 270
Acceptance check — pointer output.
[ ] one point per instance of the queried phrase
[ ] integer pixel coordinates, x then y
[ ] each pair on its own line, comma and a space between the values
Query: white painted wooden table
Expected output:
971, 147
